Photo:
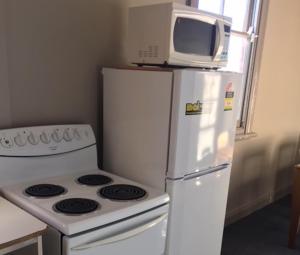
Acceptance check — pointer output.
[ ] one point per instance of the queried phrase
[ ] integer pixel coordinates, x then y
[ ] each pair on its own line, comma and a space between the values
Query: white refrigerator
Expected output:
174, 129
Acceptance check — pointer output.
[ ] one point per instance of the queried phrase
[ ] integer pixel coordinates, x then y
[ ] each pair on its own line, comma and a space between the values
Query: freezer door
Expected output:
203, 122
197, 213
136, 123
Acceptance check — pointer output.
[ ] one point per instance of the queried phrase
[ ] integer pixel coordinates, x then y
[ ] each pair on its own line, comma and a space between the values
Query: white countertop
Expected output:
16, 224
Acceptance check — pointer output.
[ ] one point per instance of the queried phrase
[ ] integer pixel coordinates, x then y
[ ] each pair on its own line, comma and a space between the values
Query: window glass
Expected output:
215, 6
239, 47
238, 60
238, 11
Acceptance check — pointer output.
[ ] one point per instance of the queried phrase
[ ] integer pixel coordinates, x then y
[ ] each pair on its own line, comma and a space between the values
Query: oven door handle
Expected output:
122, 236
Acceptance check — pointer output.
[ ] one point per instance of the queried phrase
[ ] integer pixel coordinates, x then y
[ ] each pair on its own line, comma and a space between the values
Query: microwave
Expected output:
177, 35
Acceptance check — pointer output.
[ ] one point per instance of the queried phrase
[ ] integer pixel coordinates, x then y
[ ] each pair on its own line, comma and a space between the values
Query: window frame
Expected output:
247, 107
257, 9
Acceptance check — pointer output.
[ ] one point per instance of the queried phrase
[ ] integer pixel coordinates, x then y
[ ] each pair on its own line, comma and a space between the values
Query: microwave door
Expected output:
196, 40
219, 42
194, 37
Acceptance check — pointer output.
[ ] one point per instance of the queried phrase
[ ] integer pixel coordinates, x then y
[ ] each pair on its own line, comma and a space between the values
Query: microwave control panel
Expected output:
224, 55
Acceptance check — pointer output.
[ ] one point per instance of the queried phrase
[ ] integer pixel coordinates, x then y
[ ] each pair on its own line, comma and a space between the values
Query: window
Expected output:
245, 16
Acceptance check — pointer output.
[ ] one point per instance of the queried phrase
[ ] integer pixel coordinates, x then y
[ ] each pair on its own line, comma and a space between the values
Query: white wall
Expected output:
5, 115
262, 166
50, 54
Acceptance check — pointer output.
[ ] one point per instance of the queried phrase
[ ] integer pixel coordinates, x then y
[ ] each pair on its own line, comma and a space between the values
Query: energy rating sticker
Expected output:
229, 95
228, 104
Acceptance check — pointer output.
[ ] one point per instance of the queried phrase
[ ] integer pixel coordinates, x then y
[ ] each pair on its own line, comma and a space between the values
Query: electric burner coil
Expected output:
45, 190
122, 192
76, 206
94, 179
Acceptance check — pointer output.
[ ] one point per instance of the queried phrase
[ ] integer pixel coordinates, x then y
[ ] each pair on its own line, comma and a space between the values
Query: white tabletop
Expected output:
16, 224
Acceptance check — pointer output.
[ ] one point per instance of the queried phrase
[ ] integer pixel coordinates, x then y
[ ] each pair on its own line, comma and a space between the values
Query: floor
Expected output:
264, 232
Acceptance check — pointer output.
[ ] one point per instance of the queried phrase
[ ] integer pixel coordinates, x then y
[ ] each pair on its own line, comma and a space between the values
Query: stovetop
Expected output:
85, 200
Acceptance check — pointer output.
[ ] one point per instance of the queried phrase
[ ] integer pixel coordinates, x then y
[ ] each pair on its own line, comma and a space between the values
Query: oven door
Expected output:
144, 234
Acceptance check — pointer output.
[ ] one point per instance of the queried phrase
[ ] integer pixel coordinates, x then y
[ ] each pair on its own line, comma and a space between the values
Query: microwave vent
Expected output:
150, 52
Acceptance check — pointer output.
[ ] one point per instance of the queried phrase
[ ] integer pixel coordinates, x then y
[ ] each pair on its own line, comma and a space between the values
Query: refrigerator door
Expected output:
203, 122
197, 212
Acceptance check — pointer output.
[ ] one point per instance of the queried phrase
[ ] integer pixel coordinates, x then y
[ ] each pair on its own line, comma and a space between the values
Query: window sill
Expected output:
244, 136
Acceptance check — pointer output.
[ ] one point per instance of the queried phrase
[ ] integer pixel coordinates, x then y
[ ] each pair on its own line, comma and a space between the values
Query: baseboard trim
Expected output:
252, 206
281, 192
246, 209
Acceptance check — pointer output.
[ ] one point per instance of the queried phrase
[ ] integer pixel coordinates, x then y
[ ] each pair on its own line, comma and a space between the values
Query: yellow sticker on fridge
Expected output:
198, 108
228, 104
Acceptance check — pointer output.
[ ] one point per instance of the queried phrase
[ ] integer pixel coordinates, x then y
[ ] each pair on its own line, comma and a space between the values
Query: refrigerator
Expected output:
174, 129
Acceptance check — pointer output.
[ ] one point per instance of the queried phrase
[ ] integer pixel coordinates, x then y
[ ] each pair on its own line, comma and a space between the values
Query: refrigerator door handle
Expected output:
205, 172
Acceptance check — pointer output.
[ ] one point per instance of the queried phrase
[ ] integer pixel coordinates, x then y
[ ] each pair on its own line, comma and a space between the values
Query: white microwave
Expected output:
175, 34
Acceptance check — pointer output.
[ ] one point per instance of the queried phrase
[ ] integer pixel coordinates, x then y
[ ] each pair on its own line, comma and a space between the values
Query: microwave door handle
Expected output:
220, 34
121, 236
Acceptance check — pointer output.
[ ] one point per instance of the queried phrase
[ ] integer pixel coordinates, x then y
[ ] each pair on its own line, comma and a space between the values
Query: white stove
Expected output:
51, 172
107, 210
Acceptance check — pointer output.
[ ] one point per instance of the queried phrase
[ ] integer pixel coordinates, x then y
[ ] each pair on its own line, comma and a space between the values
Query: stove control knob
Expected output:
32, 139
20, 140
77, 134
44, 138
67, 135
6, 142
56, 136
